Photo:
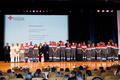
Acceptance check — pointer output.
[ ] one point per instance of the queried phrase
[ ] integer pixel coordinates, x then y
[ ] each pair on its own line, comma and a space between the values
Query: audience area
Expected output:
108, 73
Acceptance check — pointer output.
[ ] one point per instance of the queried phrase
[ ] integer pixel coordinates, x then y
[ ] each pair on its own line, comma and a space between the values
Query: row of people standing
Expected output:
27, 53
61, 52
73, 52
100, 52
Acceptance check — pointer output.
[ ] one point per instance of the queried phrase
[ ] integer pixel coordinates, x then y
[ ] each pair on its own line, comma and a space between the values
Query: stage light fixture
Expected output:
111, 11
33, 11
26, 10
37, 11
107, 11
98, 11
30, 11
103, 10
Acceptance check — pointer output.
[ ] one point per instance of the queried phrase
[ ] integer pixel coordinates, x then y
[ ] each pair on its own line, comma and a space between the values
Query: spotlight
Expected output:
103, 10
98, 11
37, 11
107, 10
30, 11
26, 10
111, 11
33, 11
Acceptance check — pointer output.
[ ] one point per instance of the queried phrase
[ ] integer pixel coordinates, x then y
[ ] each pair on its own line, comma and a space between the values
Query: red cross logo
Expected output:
10, 17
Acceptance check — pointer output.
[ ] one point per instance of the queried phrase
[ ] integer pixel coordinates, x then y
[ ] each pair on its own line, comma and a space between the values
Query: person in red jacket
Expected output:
93, 52
31, 47
58, 52
50, 51
116, 49
103, 52
88, 53
73, 51
26, 48
98, 52
54, 49
62, 50
68, 52
84, 48
79, 53
109, 54
35, 53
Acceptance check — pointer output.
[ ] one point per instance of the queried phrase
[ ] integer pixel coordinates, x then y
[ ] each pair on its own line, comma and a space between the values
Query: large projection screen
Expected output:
35, 28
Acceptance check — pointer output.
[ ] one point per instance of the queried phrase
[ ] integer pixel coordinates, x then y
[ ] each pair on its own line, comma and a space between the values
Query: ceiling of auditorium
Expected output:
78, 3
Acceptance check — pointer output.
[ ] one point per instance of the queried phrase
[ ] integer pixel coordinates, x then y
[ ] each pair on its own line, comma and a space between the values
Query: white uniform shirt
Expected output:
17, 49
12, 50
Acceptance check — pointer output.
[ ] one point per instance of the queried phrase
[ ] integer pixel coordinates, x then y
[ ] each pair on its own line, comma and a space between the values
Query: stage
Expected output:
35, 65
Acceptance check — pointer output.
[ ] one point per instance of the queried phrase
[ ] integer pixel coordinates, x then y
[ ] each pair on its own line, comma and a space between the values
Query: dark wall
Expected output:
106, 27
79, 26
1, 35
88, 24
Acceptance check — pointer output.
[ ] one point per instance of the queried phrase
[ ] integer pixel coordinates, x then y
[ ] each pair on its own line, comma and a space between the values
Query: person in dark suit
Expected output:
40, 47
7, 52
45, 51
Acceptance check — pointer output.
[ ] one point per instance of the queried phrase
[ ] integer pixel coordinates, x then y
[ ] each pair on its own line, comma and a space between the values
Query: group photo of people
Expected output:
60, 51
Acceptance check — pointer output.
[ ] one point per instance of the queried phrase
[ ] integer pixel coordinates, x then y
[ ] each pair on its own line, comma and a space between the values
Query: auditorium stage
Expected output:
35, 65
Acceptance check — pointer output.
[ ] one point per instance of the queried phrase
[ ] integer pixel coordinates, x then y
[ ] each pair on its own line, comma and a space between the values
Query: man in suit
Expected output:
7, 52
45, 51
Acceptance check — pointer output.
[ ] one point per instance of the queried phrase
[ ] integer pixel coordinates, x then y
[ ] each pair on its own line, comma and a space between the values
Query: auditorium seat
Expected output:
91, 77
66, 73
117, 77
103, 75
97, 78
83, 72
43, 74
36, 78
6, 77
51, 74
17, 79
59, 78
11, 75
109, 78
51, 78
95, 73
23, 73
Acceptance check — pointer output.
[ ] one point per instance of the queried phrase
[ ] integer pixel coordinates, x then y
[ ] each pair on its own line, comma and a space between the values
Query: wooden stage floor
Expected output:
35, 65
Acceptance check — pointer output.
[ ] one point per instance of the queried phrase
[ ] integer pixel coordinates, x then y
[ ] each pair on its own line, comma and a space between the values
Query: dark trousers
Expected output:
46, 57
7, 57
79, 57
40, 57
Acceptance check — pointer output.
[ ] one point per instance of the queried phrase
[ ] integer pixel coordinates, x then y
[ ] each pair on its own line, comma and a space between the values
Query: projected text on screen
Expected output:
35, 28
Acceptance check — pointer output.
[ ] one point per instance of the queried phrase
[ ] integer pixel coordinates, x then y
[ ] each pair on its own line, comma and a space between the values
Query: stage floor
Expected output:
35, 65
